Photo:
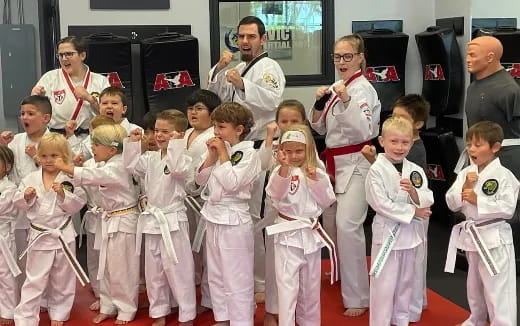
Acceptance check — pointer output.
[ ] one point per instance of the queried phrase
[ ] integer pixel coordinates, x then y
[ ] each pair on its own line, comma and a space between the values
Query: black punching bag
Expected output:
110, 55
386, 58
170, 70
510, 38
443, 82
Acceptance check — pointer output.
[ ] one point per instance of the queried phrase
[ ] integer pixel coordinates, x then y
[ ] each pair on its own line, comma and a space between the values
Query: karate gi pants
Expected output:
9, 289
92, 263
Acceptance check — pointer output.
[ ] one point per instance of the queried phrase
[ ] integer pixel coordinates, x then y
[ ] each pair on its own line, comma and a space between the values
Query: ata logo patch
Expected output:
236, 157
490, 187
416, 179
67, 186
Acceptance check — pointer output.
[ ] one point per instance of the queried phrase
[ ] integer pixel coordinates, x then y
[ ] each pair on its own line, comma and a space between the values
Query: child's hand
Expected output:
272, 128
217, 144
38, 90
78, 160
406, 185
30, 150
310, 171
58, 188
369, 152
136, 135
176, 135
470, 196
29, 193
70, 126
59, 164
6, 137
282, 158
423, 213
471, 179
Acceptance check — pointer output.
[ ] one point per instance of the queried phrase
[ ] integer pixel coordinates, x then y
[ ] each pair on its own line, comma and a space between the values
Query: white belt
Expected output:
9, 257
201, 227
56, 233
464, 158
102, 245
159, 216
471, 228
312, 223
96, 211
384, 252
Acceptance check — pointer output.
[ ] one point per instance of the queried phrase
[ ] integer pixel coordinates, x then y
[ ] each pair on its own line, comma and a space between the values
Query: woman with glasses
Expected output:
348, 114
73, 89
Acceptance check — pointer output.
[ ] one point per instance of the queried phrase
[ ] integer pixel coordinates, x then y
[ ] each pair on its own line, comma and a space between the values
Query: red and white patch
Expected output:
295, 183
59, 96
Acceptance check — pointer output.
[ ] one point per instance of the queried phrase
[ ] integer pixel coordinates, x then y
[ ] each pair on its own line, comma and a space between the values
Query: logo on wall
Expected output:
433, 72
113, 79
434, 172
231, 40
172, 80
278, 41
381, 74
513, 69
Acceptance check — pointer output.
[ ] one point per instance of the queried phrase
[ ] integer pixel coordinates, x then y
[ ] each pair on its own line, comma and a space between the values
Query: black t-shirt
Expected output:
417, 153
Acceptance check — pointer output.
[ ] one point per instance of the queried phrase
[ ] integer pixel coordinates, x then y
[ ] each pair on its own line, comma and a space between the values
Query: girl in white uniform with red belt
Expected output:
348, 114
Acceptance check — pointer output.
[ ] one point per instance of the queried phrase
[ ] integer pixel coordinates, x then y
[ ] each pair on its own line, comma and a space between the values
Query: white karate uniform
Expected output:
118, 262
229, 235
92, 227
164, 181
297, 251
196, 151
391, 289
493, 296
63, 100
345, 126
9, 289
48, 268
23, 165
264, 84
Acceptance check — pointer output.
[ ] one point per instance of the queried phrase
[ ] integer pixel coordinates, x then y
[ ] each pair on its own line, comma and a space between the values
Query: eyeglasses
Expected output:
347, 57
65, 54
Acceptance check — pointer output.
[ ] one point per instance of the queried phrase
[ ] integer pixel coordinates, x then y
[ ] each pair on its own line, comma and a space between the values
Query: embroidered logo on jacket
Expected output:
166, 170
59, 96
416, 179
295, 183
67, 186
236, 157
490, 187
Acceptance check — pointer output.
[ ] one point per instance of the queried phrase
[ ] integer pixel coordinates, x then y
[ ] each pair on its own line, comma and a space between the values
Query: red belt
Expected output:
334, 274
329, 153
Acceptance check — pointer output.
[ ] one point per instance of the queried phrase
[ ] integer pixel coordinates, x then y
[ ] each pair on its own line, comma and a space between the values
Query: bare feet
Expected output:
354, 312
270, 319
186, 323
56, 323
201, 309
121, 322
159, 321
100, 317
94, 306
259, 297
4, 321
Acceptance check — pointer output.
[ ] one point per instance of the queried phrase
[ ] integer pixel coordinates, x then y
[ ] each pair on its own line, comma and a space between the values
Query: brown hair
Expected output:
357, 42
42, 103
236, 114
175, 117
488, 131
99, 120
293, 105
7, 156
415, 105
114, 91
78, 43
310, 147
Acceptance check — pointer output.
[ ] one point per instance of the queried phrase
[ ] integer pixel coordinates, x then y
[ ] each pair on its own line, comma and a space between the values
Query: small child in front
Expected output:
300, 191
486, 193
49, 198
397, 190
228, 172
168, 259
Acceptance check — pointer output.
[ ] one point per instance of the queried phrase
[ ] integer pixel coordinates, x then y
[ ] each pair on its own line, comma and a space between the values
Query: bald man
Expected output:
494, 96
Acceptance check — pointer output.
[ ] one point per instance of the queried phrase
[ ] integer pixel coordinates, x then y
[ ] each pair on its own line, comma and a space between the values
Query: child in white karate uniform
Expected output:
8, 267
486, 193
168, 258
118, 262
397, 190
300, 192
49, 198
228, 173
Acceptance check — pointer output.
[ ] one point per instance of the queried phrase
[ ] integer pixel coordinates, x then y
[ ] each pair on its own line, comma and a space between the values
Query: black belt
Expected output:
77, 132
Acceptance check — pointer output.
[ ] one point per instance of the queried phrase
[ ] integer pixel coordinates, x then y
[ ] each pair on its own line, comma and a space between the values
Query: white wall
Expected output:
506, 9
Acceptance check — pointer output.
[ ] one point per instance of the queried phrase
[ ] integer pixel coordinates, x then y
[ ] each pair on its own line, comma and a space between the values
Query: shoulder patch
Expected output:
166, 170
236, 157
67, 186
271, 81
295, 184
490, 187
416, 179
